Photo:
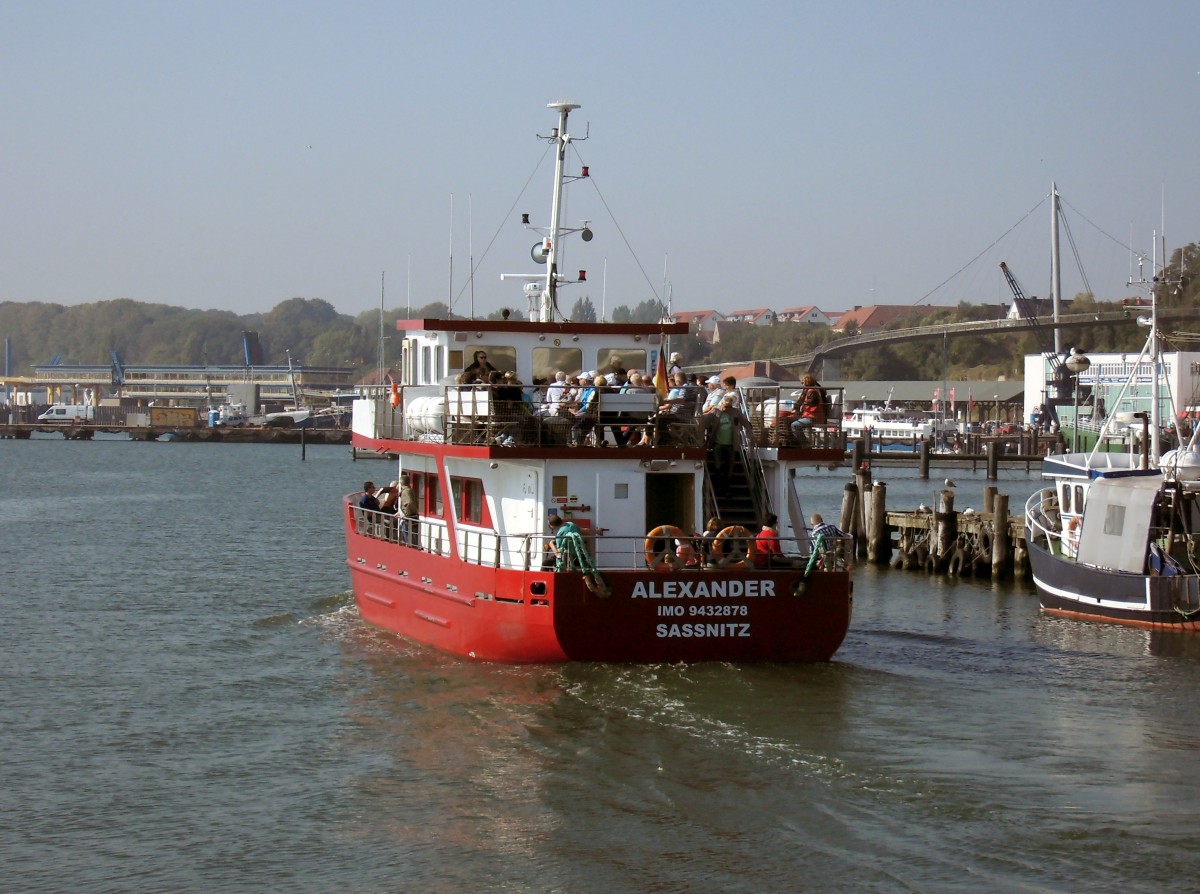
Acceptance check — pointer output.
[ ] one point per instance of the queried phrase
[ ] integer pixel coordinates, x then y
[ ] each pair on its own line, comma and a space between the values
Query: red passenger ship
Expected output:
473, 572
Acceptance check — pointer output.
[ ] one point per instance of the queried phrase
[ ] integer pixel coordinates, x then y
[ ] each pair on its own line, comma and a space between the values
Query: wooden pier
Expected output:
936, 540
991, 454
245, 434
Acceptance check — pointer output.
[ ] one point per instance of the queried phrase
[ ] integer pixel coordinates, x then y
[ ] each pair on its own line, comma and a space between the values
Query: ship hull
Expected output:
506, 615
1071, 589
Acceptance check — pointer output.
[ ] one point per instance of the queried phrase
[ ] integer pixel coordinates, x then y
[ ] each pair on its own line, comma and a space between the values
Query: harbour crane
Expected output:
1059, 378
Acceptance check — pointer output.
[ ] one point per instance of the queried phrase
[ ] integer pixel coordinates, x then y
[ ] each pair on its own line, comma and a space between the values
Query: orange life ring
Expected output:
656, 557
395, 395
737, 533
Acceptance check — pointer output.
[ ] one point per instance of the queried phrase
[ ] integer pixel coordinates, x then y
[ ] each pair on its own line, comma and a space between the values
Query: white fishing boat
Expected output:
1114, 536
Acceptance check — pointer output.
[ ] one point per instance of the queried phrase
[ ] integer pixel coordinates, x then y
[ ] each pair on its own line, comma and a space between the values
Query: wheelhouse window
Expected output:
467, 494
502, 357
549, 360
612, 359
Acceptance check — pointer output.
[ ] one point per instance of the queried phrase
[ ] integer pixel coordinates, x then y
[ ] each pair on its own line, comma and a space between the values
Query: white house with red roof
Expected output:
809, 314
874, 317
759, 316
701, 322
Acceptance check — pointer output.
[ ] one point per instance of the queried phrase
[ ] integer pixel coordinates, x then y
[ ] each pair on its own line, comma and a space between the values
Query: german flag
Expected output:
660, 376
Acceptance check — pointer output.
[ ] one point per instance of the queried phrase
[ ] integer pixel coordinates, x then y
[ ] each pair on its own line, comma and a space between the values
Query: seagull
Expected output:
949, 483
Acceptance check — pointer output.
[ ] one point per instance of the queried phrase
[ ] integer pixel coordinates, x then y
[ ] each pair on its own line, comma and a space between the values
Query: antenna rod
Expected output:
1055, 269
561, 138
382, 358
471, 248
450, 293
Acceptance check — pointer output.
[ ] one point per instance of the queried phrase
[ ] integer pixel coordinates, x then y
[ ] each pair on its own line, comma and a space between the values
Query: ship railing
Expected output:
473, 415
532, 552
771, 411
1045, 523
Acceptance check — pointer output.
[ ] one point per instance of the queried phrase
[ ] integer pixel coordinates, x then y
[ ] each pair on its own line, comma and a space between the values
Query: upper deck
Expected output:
486, 416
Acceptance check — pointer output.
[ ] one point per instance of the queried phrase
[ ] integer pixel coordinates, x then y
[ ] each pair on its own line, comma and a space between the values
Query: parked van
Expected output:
68, 413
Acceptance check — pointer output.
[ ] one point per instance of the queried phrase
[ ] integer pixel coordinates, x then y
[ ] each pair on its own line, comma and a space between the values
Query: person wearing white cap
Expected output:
675, 367
554, 394
585, 417
715, 393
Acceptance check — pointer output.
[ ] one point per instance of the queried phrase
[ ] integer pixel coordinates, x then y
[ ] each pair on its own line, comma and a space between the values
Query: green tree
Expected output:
583, 311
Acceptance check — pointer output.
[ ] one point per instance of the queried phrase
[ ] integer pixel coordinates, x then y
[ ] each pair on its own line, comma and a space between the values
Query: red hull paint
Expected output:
1183, 626
538, 616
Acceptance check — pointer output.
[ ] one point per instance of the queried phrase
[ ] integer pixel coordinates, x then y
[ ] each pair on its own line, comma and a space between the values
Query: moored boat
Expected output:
1113, 536
550, 529
896, 424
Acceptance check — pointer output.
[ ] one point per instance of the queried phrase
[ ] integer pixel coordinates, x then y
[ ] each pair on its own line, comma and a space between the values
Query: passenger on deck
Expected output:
637, 382
408, 508
680, 406
587, 410
715, 393
722, 441
810, 409
566, 545
612, 422
769, 553
826, 537
388, 497
368, 500
480, 367
711, 530
554, 394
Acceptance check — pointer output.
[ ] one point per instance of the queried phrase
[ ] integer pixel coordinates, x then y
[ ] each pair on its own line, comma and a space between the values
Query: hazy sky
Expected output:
759, 154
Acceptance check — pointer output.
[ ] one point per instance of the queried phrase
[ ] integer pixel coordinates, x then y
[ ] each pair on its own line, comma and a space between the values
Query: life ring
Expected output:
1073, 527
656, 554
735, 533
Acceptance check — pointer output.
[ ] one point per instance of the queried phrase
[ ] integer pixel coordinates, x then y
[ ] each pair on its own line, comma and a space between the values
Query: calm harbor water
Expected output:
190, 703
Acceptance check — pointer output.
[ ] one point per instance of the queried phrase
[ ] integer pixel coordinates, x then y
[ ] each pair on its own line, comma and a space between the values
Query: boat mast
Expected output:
1155, 412
561, 138
292, 377
1055, 269
382, 358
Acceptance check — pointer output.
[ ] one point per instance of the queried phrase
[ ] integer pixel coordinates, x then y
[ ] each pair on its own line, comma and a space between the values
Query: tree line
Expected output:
315, 334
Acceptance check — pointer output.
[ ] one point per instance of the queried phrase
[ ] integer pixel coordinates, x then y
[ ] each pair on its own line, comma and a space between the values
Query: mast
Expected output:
1155, 411
382, 358
561, 138
1055, 269
292, 377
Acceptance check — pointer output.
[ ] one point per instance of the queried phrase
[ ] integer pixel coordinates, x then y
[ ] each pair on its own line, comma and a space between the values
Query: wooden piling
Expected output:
989, 498
1000, 536
859, 454
849, 508
879, 541
923, 459
993, 463
946, 531
862, 478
